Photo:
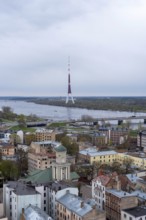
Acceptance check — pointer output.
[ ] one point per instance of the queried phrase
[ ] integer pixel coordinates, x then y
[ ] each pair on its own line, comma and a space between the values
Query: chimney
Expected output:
67, 191
22, 210
82, 204
119, 185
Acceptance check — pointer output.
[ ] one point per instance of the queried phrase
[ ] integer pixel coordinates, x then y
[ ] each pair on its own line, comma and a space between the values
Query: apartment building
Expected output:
44, 135
72, 207
41, 155
34, 213
55, 191
116, 201
98, 190
109, 181
16, 196
136, 213
141, 140
7, 149
115, 136
92, 155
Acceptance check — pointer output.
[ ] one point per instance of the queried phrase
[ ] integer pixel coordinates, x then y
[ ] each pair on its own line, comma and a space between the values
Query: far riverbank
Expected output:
58, 113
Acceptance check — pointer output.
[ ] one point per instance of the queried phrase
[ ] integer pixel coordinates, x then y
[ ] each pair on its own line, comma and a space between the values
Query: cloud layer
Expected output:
105, 40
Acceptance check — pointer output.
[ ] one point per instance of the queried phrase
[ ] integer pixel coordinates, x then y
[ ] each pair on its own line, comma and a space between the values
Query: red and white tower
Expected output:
69, 94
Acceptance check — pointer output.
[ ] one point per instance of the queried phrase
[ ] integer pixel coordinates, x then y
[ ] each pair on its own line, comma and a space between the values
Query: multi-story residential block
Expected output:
70, 207
34, 213
110, 181
116, 201
141, 140
45, 135
17, 195
98, 190
53, 155
7, 149
55, 191
92, 155
115, 136
136, 213
99, 139
41, 155
4, 137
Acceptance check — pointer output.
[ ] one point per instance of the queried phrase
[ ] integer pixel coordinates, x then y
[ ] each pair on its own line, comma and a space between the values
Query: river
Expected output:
55, 113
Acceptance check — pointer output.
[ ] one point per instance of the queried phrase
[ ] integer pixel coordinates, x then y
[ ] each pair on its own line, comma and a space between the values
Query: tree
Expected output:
7, 113
86, 118
72, 147
22, 161
9, 169
22, 120
28, 138
32, 117
116, 166
96, 167
15, 139
127, 164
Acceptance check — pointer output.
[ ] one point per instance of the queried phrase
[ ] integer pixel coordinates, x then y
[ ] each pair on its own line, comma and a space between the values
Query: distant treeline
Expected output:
132, 104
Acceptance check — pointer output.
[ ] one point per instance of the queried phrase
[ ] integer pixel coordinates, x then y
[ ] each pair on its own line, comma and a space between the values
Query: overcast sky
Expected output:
105, 39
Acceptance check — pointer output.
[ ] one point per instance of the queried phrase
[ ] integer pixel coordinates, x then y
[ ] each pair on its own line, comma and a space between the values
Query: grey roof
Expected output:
32, 210
133, 177
138, 211
119, 193
56, 186
73, 203
19, 188
93, 152
139, 194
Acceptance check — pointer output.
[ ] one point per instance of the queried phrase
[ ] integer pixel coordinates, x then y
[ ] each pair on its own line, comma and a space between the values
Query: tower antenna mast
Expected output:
69, 93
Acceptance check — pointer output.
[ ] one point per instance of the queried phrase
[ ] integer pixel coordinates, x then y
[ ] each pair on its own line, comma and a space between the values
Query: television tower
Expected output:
69, 94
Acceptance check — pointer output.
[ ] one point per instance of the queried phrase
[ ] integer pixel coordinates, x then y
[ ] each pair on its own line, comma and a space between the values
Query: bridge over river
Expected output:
121, 119
106, 119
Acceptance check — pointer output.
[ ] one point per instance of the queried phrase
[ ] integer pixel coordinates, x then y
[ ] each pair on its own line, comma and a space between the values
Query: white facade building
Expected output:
55, 192
21, 136
17, 196
34, 213
98, 190
137, 213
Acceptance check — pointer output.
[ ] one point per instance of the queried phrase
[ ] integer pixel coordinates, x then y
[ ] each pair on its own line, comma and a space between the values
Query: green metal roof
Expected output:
74, 175
40, 176
60, 148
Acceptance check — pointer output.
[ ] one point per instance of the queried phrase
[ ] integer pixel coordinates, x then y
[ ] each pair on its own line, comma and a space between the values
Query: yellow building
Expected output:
45, 135
91, 155
7, 149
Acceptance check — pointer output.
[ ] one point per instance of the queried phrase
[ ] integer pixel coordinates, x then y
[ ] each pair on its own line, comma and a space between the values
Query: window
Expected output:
130, 218
124, 215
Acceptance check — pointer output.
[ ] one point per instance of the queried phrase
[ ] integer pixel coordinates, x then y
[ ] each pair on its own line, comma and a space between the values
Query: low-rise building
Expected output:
141, 140
98, 190
17, 195
45, 135
34, 213
136, 213
116, 201
70, 207
7, 149
92, 155
115, 136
